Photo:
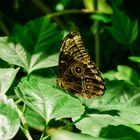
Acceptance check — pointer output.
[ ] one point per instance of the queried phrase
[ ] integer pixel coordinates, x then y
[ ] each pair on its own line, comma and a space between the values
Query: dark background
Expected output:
14, 12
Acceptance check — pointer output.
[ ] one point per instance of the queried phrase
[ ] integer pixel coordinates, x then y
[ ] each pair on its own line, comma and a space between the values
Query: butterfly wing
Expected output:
78, 73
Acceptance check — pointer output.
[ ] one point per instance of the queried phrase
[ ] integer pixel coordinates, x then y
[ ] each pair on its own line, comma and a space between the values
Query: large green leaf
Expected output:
119, 106
35, 45
9, 119
47, 101
42, 39
7, 76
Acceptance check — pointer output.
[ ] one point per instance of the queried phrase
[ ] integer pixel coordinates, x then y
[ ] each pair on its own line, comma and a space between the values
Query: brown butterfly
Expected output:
77, 72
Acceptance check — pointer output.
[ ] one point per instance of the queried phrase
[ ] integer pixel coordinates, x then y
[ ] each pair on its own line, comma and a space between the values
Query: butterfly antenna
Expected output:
53, 73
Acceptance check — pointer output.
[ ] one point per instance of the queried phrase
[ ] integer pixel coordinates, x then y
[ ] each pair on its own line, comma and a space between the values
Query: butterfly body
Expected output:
77, 72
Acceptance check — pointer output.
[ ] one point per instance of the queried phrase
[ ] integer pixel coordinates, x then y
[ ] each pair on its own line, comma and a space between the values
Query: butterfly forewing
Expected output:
78, 73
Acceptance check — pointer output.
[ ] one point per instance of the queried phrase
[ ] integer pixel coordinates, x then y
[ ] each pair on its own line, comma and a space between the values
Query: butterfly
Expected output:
77, 72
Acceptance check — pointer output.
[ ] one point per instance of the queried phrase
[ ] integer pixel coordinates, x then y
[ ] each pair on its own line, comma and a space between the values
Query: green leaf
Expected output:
65, 135
135, 127
47, 101
14, 54
118, 106
123, 29
120, 132
101, 17
42, 40
123, 73
9, 119
134, 58
135, 30
7, 76
102, 6
89, 4
37, 45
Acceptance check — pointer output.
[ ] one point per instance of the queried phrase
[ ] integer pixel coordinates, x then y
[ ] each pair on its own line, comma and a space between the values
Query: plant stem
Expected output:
97, 44
71, 11
45, 9
26, 132
131, 50
66, 126
70, 124
133, 54
44, 131
4, 28
25, 127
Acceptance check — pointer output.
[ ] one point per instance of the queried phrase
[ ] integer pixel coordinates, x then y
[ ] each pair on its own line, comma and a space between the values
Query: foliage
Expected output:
33, 106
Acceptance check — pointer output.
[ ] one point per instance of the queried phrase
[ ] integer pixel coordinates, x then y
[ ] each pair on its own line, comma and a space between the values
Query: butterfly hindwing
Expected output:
78, 73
